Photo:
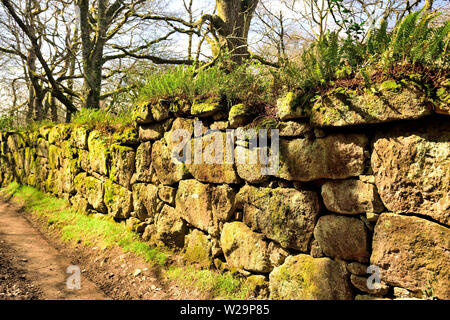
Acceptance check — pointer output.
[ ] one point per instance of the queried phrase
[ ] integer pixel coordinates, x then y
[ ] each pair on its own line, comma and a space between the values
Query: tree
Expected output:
28, 33
226, 31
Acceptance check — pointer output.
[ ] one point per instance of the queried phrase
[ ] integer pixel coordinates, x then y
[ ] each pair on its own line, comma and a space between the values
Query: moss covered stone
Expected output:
42, 148
79, 137
413, 253
54, 157
16, 141
59, 133
144, 113
99, 153
122, 164
167, 171
411, 166
167, 194
336, 156
170, 229
127, 136
71, 169
118, 200
204, 206
285, 215
303, 277
154, 131
204, 108
351, 197
239, 115
247, 250
91, 189
389, 102
144, 170
198, 249
214, 166
290, 107
146, 203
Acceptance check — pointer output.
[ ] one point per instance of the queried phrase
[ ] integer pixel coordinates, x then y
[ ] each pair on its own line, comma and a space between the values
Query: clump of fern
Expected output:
414, 41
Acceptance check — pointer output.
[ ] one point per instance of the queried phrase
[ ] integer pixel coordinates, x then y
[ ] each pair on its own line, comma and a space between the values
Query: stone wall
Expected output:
361, 182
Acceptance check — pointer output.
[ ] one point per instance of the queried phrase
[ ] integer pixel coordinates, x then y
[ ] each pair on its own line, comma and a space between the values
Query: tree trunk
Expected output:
92, 51
428, 5
234, 25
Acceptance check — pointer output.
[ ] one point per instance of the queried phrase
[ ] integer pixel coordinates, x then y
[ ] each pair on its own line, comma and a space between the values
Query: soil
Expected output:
33, 264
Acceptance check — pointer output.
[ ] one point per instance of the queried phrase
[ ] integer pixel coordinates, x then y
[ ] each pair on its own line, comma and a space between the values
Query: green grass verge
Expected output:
102, 231
220, 286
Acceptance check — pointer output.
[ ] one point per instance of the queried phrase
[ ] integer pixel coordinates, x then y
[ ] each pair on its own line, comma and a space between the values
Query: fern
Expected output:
414, 41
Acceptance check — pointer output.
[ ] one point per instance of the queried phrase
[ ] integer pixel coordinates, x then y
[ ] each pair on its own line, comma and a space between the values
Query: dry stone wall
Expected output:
344, 197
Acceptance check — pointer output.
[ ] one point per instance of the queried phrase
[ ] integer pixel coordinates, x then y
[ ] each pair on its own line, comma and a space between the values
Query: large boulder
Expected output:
336, 156
98, 153
292, 106
167, 170
303, 277
203, 205
170, 228
91, 189
284, 215
146, 203
154, 131
212, 163
351, 197
198, 249
144, 169
247, 250
393, 101
413, 253
122, 164
118, 200
412, 169
342, 237
79, 137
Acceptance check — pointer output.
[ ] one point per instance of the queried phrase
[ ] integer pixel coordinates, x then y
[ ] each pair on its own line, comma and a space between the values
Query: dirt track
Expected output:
33, 264
30, 267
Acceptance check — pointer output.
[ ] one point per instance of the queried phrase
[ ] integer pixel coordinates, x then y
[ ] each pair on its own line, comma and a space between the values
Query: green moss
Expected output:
443, 94
391, 85
267, 123
126, 136
59, 133
198, 249
208, 106
54, 154
99, 153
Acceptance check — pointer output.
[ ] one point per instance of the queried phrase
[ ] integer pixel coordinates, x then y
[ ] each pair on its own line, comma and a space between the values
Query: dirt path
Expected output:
30, 267
34, 260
